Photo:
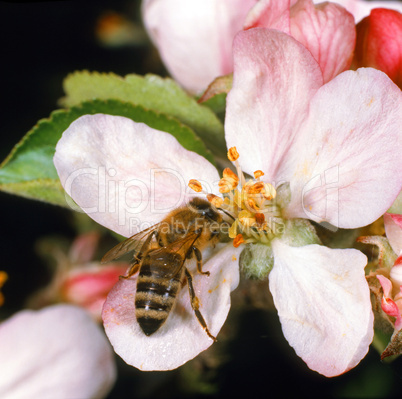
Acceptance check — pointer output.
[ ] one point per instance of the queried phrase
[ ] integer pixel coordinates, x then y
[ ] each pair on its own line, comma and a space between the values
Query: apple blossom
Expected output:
77, 278
325, 152
55, 352
379, 43
194, 38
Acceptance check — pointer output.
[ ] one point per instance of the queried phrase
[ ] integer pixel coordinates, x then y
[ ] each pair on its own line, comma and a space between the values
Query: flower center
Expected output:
250, 202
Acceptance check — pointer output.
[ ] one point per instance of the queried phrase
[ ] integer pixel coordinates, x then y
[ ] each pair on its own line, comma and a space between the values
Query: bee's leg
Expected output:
137, 258
195, 304
133, 269
198, 255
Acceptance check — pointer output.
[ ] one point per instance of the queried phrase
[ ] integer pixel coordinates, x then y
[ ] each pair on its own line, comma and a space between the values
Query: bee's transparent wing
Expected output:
131, 244
180, 247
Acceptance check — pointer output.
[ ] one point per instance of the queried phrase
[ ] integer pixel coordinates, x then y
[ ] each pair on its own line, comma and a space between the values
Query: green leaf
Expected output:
47, 190
397, 205
29, 171
217, 104
151, 92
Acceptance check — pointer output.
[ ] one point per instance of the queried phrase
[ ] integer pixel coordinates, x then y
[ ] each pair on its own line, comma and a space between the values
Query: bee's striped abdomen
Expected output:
156, 291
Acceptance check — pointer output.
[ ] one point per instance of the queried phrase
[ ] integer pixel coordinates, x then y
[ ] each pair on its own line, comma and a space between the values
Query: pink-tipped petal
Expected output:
272, 14
274, 79
194, 38
181, 337
348, 153
379, 43
328, 31
393, 231
55, 352
385, 284
88, 286
126, 175
323, 302
389, 306
396, 274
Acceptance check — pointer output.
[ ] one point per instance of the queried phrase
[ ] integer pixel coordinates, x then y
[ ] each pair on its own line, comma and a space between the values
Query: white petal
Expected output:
347, 154
194, 38
323, 302
56, 352
181, 338
126, 175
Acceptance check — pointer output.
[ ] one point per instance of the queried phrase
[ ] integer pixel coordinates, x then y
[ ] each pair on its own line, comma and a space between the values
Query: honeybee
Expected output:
160, 254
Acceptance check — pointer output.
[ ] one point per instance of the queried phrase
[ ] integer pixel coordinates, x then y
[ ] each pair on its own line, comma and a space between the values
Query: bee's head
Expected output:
204, 209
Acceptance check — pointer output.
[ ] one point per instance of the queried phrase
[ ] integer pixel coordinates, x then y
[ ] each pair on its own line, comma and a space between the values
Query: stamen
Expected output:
229, 181
195, 185
269, 191
258, 174
215, 200
233, 155
233, 229
256, 188
238, 240
260, 218
252, 205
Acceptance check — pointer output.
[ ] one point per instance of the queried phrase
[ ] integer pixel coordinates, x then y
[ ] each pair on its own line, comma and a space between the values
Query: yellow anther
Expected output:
215, 200
258, 173
252, 205
244, 213
246, 218
269, 191
260, 218
256, 188
195, 185
233, 229
233, 155
3, 279
238, 240
230, 175
228, 182
223, 187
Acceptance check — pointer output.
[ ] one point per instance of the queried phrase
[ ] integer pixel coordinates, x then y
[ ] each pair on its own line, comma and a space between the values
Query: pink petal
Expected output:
274, 80
393, 231
57, 351
385, 284
181, 338
89, 286
323, 302
194, 38
126, 175
348, 153
328, 31
83, 248
362, 8
396, 274
379, 43
387, 304
272, 14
